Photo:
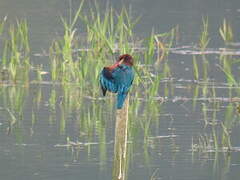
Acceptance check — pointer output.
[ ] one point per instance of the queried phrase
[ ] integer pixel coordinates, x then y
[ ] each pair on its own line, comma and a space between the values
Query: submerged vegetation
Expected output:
76, 60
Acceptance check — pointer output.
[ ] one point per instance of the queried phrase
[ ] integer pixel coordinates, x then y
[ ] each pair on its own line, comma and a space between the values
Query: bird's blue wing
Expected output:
107, 81
117, 81
123, 77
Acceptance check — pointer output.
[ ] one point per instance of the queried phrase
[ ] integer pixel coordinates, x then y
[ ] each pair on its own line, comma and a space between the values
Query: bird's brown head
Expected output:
125, 59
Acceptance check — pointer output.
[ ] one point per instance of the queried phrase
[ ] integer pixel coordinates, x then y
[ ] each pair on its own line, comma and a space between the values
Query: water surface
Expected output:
35, 128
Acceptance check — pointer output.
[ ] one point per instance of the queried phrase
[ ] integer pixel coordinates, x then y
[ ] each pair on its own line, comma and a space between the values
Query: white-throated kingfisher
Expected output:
118, 78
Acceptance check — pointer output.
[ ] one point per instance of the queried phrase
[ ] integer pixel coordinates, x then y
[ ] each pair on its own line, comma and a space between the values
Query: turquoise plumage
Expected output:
118, 78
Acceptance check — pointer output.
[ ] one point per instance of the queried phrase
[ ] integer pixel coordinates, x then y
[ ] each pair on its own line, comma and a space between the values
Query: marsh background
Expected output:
183, 115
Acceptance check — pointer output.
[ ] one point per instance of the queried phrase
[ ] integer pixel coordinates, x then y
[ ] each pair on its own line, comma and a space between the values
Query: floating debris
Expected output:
193, 51
78, 144
44, 72
23, 144
163, 137
214, 150
208, 99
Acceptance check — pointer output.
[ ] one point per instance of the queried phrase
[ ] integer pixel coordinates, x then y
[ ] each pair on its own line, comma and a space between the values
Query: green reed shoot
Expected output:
204, 143
226, 137
204, 38
111, 33
205, 67
195, 68
227, 66
2, 25
12, 99
160, 50
227, 126
153, 90
53, 99
39, 75
226, 32
205, 114
148, 55
207, 142
164, 42
166, 70
215, 138
15, 53
61, 52
227, 69
195, 96
219, 138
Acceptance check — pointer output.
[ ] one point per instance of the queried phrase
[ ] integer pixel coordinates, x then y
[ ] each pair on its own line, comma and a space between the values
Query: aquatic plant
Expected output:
204, 37
164, 42
226, 32
14, 64
226, 67
195, 68
2, 25
205, 67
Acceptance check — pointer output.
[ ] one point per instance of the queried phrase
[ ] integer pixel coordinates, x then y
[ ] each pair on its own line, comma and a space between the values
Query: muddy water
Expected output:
44, 135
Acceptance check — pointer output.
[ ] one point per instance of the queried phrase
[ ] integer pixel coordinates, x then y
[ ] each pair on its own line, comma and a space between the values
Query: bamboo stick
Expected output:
120, 146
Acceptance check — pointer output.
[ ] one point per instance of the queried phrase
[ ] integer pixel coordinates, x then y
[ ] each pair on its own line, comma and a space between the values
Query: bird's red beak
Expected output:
120, 62
116, 64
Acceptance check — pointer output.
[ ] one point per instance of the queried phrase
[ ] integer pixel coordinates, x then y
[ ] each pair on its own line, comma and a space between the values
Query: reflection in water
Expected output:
158, 128
120, 146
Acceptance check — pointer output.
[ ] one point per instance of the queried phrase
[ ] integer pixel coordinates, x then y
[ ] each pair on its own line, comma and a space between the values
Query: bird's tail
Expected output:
120, 99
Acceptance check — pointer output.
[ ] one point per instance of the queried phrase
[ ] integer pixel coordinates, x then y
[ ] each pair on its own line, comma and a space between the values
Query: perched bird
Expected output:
118, 78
